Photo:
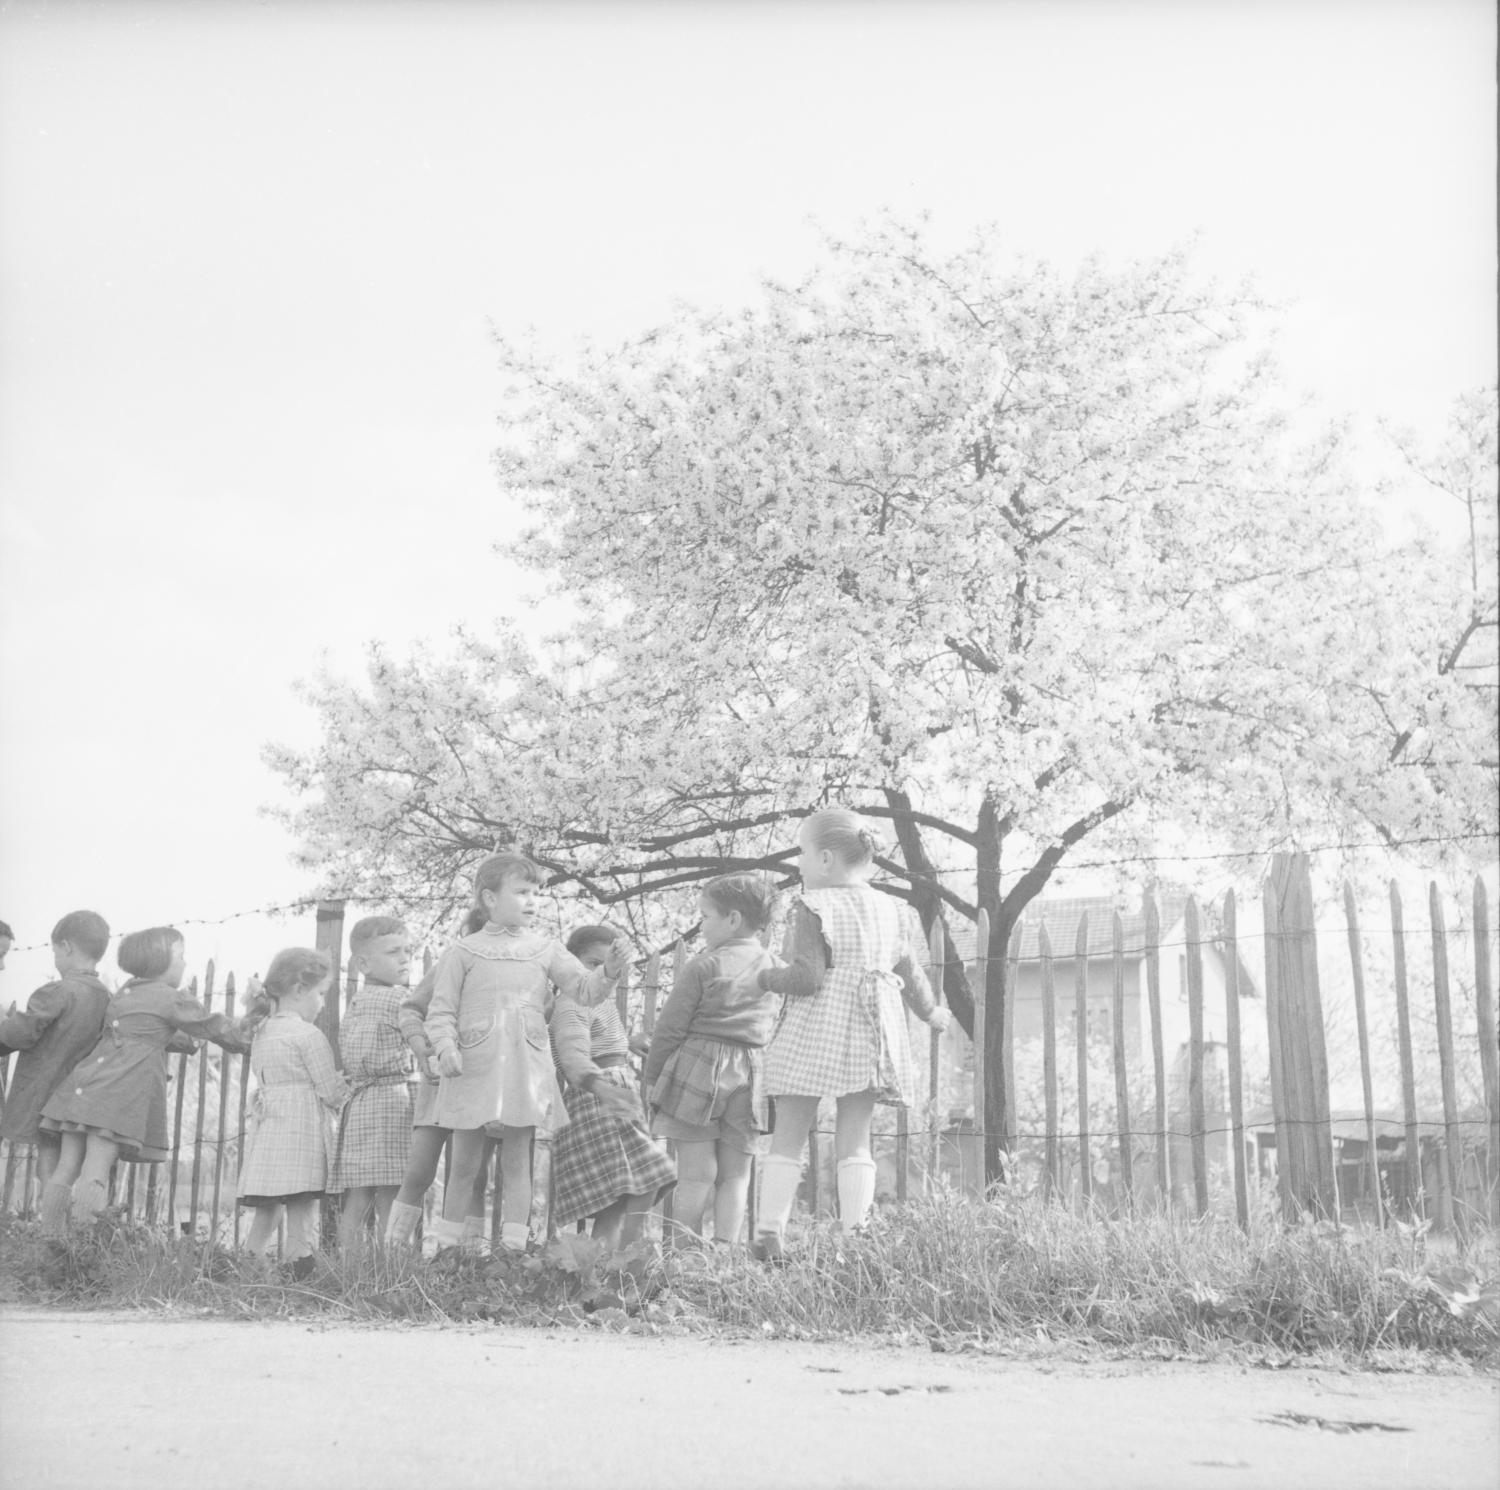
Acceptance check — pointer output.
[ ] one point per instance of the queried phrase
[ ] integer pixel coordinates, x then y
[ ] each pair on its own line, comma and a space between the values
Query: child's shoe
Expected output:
767, 1248
301, 1268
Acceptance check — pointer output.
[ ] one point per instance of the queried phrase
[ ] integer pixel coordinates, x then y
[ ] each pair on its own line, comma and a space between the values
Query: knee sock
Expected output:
514, 1236
447, 1233
401, 1225
88, 1200
778, 1189
856, 1191
474, 1239
56, 1198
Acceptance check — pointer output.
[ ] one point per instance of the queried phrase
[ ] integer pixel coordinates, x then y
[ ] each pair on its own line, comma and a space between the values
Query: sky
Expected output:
252, 259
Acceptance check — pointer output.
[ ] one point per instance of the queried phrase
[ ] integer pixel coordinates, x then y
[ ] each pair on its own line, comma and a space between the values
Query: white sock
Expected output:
779, 1178
88, 1200
473, 1228
447, 1233
56, 1199
856, 1191
401, 1224
514, 1235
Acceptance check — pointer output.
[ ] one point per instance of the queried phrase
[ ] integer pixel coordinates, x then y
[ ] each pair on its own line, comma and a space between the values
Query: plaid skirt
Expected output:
286, 1150
596, 1159
374, 1136
702, 1074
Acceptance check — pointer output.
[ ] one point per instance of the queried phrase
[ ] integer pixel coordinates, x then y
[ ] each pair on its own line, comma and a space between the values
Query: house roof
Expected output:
1062, 915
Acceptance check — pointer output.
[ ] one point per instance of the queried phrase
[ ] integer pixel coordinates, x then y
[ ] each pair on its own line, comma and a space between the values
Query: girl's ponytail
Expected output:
259, 1004
292, 970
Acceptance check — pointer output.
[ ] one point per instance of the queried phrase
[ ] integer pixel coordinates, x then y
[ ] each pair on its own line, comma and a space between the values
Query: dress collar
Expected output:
491, 928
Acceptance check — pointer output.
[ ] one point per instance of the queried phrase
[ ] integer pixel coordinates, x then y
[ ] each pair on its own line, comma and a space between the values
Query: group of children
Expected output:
510, 1032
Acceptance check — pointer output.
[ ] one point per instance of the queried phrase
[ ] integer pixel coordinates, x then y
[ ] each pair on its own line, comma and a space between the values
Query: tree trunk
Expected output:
991, 1123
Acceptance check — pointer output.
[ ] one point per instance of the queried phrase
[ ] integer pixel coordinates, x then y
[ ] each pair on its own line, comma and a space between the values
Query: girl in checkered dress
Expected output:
608, 1169
843, 1030
297, 1087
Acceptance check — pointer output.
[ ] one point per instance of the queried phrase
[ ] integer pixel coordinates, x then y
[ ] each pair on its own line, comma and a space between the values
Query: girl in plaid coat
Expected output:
297, 1087
606, 1169
843, 1030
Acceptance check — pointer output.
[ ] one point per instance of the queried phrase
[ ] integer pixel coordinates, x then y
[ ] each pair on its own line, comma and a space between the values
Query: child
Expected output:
606, 1169
286, 1153
705, 1071
113, 1104
487, 1026
427, 1139
843, 1029
60, 1026
375, 1127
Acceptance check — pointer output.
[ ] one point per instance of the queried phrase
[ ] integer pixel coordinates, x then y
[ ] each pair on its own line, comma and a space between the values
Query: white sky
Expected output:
249, 256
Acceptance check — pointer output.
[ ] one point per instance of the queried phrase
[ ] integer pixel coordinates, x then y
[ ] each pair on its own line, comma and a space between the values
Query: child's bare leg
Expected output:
481, 1184
301, 1227
357, 1202
382, 1195
856, 1165
697, 1169
469, 1150
262, 1229
421, 1164
515, 1186
92, 1186
605, 1226
731, 1193
57, 1194
638, 1210
48, 1151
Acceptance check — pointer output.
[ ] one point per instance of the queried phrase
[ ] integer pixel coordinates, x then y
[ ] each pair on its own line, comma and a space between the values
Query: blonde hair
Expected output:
844, 834
293, 970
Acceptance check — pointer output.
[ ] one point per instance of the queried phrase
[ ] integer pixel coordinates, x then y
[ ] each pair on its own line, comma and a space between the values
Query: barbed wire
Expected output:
452, 899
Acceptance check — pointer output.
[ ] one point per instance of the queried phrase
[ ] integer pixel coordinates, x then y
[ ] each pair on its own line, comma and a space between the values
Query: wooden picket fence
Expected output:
193, 1193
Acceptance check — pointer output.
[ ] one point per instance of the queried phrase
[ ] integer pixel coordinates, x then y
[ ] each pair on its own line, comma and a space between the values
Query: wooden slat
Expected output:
1158, 1051
1362, 1034
1453, 1146
1008, 1062
10, 1180
1081, 1051
1413, 1155
1489, 1056
208, 1003
172, 1225
149, 1214
981, 978
240, 1146
224, 1084
935, 1105
1197, 1122
1049, 1058
1235, 1058
1122, 1079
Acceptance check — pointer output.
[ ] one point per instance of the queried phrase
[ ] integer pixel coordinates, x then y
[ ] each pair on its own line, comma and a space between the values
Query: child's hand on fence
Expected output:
617, 959
450, 1062
941, 1019
253, 987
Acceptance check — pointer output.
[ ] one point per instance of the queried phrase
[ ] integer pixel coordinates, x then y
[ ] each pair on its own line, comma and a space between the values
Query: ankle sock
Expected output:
401, 1224
88, 1200
447, 1233
514, 1236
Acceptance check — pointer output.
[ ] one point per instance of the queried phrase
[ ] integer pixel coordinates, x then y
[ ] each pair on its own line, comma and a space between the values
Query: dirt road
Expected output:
129, 1401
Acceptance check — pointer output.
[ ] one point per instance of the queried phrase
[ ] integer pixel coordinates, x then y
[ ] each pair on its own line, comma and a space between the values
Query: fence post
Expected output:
223, 1111
1414, 1197
1081, 1051
330, 939
1453, 1144
935, 959
981, 976
1158, 1051
1236, 1074
1489, 1055
1012, 984
194, 1190
1117, 1031
1362, 1031
1049, 1056
1295, 1008
1197, 1122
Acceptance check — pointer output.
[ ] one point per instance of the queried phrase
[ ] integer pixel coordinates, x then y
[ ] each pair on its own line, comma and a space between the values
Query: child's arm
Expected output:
676, 1017
180, 1044
317, 1057
574, 981
806, 955
188, 1017
441, 1026
20, 1029
410, 1016
917, 991
572, 1048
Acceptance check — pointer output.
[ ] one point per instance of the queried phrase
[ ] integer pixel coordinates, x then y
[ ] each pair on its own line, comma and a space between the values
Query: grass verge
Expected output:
1013, 1276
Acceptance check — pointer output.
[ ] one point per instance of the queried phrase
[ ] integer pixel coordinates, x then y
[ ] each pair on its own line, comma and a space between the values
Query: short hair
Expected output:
582, 937
752, 895
498, 868
86, 930
366, 930
844, 834
148, 954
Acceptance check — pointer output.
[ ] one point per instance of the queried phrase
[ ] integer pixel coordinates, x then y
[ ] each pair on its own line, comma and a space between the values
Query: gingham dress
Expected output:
597, 1158
374, 1130
286, 1151
849, 1036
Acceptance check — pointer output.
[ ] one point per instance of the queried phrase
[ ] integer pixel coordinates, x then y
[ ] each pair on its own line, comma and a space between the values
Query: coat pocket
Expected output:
474, 1034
